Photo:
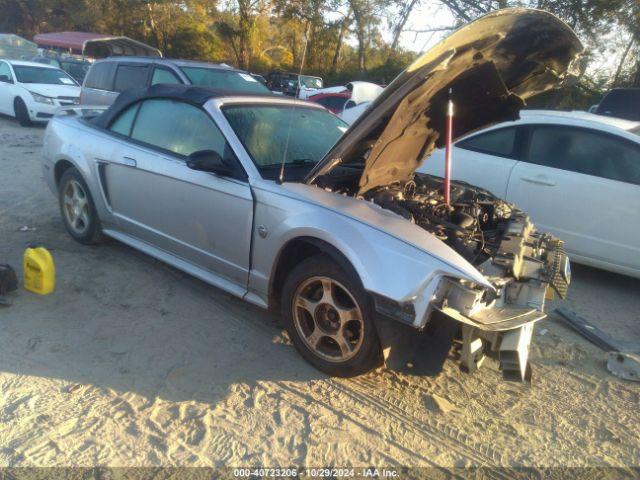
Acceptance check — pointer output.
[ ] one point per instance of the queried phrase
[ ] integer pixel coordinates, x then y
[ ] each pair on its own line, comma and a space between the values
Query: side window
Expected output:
324, 101
337, 103
5, 71
99, 76
621, 103
162, 75
123, 123
585, 151
184, 129
499, 142
275, 81
130, 76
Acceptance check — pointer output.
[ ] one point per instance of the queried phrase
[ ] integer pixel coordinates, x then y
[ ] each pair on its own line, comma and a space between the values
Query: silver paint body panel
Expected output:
207, 225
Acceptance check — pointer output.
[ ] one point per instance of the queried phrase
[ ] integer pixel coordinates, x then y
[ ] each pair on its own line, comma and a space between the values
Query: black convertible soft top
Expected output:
195, 95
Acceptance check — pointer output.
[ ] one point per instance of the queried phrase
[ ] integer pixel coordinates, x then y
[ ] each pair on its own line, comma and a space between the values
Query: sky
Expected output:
432, 15
426, 16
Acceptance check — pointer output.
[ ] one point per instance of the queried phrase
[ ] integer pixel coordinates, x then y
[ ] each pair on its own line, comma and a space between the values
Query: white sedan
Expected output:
352, 112
576, 174
32, 91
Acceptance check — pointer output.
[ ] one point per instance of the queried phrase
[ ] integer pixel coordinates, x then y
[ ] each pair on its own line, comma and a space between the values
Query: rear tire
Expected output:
22, 114
329, 318
77, 208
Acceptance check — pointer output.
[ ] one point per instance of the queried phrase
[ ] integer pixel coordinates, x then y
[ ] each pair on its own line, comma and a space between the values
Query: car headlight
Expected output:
41, 98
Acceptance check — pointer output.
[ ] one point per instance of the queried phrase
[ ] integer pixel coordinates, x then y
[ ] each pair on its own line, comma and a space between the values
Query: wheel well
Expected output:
294, 252
61, 167
15, 102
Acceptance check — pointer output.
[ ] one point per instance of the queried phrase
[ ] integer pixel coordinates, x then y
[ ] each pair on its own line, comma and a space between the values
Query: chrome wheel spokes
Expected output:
328, 319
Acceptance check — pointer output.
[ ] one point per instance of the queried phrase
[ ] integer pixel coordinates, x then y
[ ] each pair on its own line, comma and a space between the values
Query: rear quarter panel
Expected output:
69, 139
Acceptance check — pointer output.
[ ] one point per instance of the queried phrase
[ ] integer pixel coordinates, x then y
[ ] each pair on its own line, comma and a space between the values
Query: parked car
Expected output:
334, 102
293, 84
107, 78
344, 100
352, 111
363, 91
620, 103
32, 92
260, 78
360, 254
76, 68
576, 174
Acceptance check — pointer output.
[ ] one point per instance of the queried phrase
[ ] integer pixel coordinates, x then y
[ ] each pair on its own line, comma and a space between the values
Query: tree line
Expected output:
340, 40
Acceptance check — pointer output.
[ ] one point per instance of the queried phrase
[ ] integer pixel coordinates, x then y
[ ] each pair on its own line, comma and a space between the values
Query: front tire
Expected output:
77, 208
22, 114
329, 318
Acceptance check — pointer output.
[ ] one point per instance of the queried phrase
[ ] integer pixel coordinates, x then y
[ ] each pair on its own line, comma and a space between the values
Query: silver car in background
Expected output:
269, 199
107, 78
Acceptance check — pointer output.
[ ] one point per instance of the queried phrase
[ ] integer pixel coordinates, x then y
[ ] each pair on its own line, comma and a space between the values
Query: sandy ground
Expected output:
132, 363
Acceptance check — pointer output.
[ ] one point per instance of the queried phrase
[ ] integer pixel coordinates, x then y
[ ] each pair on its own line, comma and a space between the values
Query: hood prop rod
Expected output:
447, 155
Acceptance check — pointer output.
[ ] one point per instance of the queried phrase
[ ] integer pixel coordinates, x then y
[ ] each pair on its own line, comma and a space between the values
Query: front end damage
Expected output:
489, 67
523, 266
527, 267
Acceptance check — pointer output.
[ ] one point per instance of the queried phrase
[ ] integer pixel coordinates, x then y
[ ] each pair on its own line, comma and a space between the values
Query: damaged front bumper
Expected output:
506, 332
528, 267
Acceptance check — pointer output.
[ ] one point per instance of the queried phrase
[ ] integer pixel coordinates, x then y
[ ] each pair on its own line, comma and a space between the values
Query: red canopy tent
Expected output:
96, 45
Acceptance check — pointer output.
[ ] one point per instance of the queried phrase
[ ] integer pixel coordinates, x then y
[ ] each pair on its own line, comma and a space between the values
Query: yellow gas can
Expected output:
39, 270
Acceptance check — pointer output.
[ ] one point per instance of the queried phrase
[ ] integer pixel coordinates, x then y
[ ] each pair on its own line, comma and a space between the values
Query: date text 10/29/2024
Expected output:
315, 472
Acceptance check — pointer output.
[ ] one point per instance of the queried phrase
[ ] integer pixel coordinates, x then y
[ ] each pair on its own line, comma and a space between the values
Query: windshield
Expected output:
264, 130
310, 82
48, 76
623, 103
76, 69
224, 79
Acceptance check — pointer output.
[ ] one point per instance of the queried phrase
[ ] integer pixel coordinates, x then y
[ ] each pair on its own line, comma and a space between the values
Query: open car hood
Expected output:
492, 65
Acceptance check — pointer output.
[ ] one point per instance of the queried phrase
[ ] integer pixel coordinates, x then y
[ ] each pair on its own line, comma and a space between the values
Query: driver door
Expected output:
199, 217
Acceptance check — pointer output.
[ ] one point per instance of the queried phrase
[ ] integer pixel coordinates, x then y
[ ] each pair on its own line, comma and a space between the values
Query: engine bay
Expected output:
473, 224
493, 235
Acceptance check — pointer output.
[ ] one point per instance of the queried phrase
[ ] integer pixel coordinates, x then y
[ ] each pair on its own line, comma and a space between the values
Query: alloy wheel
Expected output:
76, 206
328, 319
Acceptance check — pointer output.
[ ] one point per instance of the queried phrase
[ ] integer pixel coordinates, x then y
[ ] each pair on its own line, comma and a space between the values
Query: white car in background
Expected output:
349, 101
576, 174
351, 113
362, 94
32, 92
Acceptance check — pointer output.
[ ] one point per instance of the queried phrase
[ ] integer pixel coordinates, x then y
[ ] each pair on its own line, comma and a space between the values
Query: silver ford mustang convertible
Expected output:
276, 201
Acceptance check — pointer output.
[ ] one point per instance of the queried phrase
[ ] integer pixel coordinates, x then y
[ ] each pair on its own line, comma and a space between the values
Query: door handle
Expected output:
129, 162
539, 181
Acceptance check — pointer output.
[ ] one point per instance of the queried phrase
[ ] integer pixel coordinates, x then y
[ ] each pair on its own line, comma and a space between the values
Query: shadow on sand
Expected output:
121, 320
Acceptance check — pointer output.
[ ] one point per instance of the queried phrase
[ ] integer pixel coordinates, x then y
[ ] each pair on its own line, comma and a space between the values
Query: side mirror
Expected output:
209, 161
5, 79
